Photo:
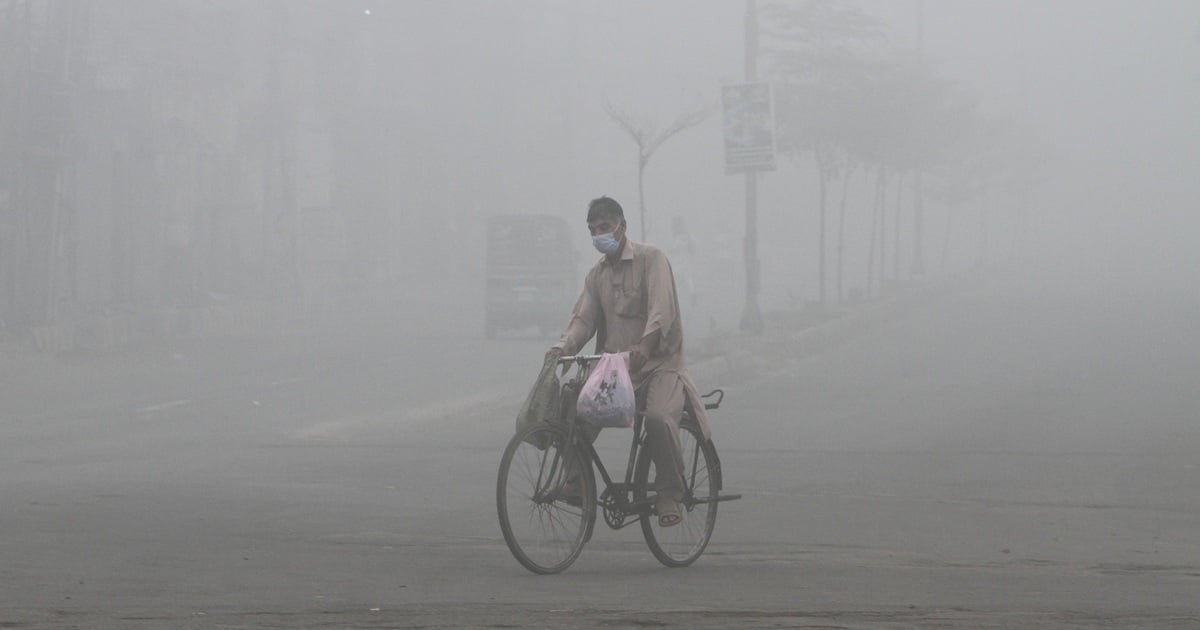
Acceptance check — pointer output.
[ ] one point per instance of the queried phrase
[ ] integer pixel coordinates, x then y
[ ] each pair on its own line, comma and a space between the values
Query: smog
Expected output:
277, 276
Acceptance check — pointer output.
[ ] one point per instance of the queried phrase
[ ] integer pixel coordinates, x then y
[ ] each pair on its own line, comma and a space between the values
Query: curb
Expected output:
752, 354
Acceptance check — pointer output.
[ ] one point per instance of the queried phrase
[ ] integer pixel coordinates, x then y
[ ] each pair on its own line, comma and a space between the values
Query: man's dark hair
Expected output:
605, 207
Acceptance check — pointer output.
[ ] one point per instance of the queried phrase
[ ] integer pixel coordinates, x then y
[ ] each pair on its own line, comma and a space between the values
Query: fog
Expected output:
267, 311
185, 152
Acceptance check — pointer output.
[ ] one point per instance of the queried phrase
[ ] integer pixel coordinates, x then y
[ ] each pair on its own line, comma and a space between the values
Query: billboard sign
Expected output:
749, 127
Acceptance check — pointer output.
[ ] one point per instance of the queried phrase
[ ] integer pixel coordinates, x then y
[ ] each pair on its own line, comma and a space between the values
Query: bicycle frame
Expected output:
617, 498
546, 494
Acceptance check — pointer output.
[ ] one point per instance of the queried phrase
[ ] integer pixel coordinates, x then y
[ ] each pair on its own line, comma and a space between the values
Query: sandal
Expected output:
668, 511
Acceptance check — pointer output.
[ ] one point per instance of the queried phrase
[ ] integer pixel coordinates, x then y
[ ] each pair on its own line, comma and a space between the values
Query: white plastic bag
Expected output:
606, 400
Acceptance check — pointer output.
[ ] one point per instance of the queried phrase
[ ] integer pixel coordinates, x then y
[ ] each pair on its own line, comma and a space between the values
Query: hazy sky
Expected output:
1114, 84
489, 107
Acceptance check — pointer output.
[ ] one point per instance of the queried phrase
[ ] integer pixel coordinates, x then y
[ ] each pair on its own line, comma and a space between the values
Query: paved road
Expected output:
987, 461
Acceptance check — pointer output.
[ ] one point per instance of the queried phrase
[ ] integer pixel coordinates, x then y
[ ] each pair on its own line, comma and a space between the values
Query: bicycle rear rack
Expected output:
719, 393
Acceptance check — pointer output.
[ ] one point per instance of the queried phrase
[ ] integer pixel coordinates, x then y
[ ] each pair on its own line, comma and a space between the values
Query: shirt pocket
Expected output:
629, 301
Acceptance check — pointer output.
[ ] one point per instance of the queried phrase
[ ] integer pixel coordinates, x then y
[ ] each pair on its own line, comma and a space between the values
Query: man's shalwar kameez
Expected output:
622, 302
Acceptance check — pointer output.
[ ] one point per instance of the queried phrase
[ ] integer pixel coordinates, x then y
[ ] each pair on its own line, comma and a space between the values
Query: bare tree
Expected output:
648, 141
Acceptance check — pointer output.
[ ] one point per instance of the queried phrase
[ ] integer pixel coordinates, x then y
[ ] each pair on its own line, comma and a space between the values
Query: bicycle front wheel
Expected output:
682, 543
545, 498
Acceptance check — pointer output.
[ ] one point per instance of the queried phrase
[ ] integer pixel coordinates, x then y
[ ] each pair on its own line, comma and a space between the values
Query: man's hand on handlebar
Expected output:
553, 354
638, 356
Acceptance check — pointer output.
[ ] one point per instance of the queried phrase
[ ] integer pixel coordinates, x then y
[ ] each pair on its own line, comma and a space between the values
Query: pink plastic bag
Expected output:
606, 400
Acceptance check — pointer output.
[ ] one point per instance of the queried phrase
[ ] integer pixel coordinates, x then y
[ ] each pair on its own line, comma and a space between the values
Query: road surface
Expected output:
1004, 456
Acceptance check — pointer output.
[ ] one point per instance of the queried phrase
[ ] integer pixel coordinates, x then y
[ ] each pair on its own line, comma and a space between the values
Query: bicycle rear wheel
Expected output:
681, 544
545, 498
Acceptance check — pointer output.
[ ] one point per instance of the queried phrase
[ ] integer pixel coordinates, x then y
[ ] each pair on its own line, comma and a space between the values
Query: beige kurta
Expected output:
632, 298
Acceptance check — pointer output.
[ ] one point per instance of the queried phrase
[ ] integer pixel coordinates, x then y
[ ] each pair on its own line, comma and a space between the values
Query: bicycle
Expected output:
546, 488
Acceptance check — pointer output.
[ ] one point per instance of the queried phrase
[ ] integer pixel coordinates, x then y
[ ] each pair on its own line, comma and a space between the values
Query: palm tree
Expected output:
648, 140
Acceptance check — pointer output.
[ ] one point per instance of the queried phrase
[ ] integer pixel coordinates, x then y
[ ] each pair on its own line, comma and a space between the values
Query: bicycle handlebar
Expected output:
579, 358
584, 359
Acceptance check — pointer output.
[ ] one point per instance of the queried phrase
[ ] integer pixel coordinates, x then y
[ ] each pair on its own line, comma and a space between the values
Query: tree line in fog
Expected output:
166, 154
853, 104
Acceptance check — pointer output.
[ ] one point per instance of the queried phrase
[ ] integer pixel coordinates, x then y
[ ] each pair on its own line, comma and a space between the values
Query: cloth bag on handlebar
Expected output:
607, 399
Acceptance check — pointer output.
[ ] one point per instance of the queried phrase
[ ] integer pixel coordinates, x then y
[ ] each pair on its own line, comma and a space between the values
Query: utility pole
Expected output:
751, 317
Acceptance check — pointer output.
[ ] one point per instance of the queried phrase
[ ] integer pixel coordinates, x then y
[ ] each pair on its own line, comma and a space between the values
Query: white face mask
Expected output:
607, 244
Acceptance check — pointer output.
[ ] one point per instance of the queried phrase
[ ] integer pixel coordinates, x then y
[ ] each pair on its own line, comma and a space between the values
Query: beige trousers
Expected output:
662, 398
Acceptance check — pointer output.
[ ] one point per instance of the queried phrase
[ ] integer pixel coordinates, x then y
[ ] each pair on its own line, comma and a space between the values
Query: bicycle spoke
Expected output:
544, 532
682, 543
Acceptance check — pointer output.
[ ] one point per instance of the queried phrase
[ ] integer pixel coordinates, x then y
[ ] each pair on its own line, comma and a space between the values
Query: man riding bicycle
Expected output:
629, 303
